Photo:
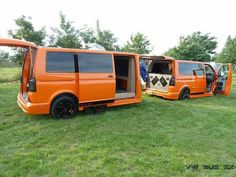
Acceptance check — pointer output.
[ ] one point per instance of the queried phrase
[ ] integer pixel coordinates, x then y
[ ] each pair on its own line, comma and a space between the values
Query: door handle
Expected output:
110, 76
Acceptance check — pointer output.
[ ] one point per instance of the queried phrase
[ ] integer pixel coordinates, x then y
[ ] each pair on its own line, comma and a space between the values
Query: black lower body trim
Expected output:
199, 93
96, 103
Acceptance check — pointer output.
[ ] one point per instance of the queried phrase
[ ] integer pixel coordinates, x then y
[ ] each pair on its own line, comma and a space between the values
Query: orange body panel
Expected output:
92, 88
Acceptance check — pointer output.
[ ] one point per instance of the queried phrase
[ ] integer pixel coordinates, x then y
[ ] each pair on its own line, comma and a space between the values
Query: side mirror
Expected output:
194, 73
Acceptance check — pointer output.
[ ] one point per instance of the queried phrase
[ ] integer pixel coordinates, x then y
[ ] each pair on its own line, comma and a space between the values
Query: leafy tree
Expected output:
228, 53
105, 38
10, 60
25, 30
197, 46
4, 58
88, 35
66, 36
138, 44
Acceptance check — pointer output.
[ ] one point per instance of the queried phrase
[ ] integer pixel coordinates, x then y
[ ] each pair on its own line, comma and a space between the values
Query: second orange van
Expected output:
180, 79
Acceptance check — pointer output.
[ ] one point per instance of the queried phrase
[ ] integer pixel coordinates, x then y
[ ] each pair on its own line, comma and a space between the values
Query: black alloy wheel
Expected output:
185, 94
64, 107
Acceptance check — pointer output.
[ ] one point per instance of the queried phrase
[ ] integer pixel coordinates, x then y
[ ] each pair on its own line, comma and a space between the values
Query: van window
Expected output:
60, 62
201, 70
95, 63
188, 68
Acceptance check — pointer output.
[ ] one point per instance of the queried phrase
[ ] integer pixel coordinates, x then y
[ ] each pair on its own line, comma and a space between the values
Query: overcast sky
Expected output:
161, 21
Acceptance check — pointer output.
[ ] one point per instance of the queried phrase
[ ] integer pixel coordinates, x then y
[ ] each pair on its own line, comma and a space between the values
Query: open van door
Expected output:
27, 62
224, 83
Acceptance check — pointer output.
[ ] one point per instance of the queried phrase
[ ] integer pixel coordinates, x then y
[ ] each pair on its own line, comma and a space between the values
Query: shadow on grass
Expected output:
84, 114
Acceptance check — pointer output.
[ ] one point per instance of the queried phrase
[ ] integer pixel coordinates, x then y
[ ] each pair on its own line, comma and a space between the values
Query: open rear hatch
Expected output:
160, 72
27, 60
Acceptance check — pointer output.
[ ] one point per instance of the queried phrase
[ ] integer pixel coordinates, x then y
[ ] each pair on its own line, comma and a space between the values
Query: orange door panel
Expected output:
96, 77
199, 84
225, 75
96, 87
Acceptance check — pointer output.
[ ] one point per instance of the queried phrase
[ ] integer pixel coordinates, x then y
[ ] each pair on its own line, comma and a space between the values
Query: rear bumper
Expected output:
167, 95
32, 108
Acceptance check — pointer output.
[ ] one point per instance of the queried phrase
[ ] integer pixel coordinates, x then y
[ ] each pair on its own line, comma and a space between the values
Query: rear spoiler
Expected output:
16, 43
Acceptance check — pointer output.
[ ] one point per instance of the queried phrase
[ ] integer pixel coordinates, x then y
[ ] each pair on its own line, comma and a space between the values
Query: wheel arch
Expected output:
184, 87
57, 95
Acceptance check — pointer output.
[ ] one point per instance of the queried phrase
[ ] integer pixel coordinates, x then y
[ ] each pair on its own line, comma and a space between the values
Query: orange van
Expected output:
61, 81
180, 79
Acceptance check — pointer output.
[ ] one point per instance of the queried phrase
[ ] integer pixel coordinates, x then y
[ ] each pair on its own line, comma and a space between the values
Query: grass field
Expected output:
9, 74
154, 138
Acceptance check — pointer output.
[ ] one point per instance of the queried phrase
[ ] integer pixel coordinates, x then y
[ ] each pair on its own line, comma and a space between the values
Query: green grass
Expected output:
154, 138
8, 74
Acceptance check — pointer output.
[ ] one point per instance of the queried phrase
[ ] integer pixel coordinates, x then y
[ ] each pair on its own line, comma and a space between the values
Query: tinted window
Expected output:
185, 69
208, 70
201, 70
188, 68
95, 63
60, 62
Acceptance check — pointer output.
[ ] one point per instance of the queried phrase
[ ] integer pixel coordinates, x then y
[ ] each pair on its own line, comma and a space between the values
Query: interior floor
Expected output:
121, 91
125, 76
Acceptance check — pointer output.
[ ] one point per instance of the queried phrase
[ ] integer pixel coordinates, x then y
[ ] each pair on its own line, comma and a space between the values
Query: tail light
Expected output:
172, 81
32, 85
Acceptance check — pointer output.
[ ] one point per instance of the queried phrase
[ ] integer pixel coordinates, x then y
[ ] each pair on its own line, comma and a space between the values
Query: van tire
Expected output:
63, 107
184, 94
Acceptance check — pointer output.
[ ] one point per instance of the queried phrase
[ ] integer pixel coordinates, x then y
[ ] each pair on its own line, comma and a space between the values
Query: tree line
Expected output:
197, 46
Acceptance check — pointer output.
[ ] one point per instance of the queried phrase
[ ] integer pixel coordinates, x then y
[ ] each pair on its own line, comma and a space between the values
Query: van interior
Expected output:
160, 67
222, 77
159, 74
125, 76
209, 78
